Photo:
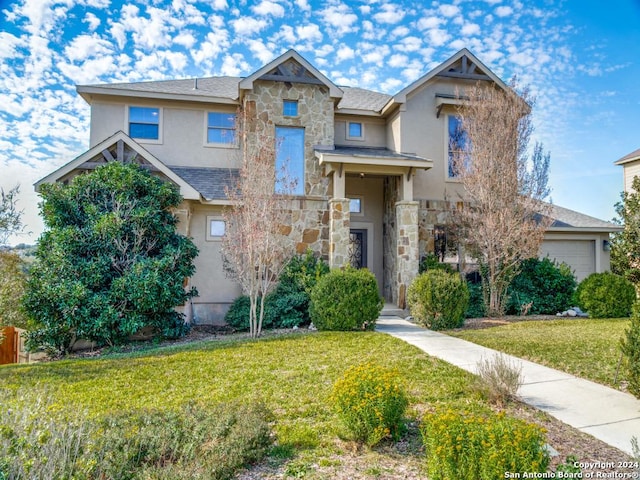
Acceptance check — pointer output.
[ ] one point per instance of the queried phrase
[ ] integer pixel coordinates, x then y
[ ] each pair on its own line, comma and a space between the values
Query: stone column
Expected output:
408, 257
339, 223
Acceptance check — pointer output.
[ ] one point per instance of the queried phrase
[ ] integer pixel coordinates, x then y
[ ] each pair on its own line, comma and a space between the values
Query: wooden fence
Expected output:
9, 346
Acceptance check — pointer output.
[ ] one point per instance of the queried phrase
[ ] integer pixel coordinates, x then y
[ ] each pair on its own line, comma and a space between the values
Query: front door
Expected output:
358, 248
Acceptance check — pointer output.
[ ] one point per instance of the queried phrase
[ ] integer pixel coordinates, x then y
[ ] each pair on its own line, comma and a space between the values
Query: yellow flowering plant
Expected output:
371, 402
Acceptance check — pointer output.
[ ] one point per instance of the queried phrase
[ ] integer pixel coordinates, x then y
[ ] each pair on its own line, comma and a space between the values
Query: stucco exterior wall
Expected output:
373, 129
630, 170
183, 132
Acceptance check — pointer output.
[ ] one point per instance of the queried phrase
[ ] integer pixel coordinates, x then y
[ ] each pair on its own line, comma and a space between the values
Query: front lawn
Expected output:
583, 347
291, 375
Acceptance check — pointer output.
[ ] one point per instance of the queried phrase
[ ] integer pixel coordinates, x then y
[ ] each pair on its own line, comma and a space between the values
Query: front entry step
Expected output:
392, 310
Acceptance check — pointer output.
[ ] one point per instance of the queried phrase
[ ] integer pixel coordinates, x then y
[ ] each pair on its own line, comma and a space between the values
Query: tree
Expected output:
111, 261
503, 217
625, 245
257, 247
10, 216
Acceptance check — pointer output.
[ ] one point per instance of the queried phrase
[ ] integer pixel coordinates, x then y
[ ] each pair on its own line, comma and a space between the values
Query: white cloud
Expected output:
449, 10
377, 55
400, 32
310, 32
409, 44
268, 8
438, 37
85, 46
426, 23
339, 18
92, 20
470, 29
287, 34
185, 38
233, 65
323, 51
345, 53
248, 25
504, 11
303, 5
209, 49
391, 13
9, 44
261, 51
398, 60
220, 4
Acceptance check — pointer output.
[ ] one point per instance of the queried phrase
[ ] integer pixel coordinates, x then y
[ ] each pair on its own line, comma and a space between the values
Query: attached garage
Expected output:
580, 255
580, 241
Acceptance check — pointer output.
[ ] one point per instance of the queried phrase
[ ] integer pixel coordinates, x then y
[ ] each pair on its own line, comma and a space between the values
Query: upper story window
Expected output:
221, 127
289, 160
355, 205
355, 131
216, 228
458, 147
144, 123
290, 108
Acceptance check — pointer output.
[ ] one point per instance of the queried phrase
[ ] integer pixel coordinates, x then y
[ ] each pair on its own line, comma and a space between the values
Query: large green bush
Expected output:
541, 287
438, 300
346, 300
605, 295
110, 262
630, 345
475, 309
370, 402
466, 446
288, 305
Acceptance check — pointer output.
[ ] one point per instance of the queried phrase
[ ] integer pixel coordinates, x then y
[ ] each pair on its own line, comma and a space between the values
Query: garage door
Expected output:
580, 255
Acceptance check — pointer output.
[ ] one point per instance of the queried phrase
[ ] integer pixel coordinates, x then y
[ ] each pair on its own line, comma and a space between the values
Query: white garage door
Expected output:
580, 255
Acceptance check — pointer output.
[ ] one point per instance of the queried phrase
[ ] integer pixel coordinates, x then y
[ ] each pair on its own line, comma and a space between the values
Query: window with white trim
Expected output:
216, 228
355, 131
289, 160
458, 147
290, 108
221, 128
355, 205
144, 123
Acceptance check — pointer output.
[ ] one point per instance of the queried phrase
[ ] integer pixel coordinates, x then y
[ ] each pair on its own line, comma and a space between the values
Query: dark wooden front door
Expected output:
9, 346
358, 248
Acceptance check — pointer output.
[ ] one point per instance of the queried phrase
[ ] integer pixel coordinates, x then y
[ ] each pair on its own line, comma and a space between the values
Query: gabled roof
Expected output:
635, 155
211, 89
361, 101
292, 67
119, 147
212, 183
464, 65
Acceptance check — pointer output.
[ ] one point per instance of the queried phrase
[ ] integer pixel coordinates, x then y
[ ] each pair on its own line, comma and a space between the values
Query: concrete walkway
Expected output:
605, 413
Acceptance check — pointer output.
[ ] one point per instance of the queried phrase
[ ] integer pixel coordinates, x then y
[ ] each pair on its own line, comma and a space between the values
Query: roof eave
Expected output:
88, 91
613, 228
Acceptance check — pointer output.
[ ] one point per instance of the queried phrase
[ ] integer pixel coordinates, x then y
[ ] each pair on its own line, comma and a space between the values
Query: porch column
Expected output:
339, 223
407, 258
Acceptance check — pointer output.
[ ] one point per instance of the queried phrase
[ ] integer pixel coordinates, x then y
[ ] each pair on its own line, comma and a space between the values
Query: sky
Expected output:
579, 57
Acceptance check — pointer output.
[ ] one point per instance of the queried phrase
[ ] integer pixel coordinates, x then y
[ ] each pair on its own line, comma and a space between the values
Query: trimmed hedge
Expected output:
605, 295
346, 300
438, 300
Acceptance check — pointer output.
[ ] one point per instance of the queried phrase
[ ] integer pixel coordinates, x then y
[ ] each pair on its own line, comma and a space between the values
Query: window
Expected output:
290, 160
459, 147
221, 127
355, 205
354, 130
216, 228
290, 108
144, 123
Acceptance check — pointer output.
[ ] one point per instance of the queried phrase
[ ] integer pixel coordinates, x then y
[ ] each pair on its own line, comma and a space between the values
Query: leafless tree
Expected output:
503, 218
257, 244
10, 216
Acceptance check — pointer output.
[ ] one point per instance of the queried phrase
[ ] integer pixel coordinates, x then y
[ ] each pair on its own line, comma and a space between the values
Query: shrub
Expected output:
370, 402
38, 442
468, 446
346, 300
605, 295
288, 305
438, 299
630, 346
476, 300
545, 285
431, 262
499, 378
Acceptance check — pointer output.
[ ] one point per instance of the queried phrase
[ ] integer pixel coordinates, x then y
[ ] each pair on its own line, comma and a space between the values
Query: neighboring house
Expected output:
373, 170
630, 168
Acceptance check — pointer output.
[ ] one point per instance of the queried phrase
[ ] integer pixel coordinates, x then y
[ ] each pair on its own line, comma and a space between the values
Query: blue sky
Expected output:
579, 57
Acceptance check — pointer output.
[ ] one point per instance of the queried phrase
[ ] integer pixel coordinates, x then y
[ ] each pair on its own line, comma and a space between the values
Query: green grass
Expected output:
585, 348
291, 375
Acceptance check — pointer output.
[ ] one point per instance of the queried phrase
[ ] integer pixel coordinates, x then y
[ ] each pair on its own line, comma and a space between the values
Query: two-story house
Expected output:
373, 171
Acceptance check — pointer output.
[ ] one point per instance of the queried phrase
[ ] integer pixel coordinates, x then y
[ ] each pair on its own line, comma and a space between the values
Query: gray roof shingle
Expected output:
565, 218
212, 183
631, 156
355, 98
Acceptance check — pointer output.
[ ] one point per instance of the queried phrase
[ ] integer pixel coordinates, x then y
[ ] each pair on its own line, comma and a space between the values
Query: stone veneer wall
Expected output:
430, 214
339, 228
407, 248
389, 243
309, 214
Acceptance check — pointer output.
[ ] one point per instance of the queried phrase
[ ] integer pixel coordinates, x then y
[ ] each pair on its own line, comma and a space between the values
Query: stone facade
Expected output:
431, 213
339, 224
407, 248
390, 240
